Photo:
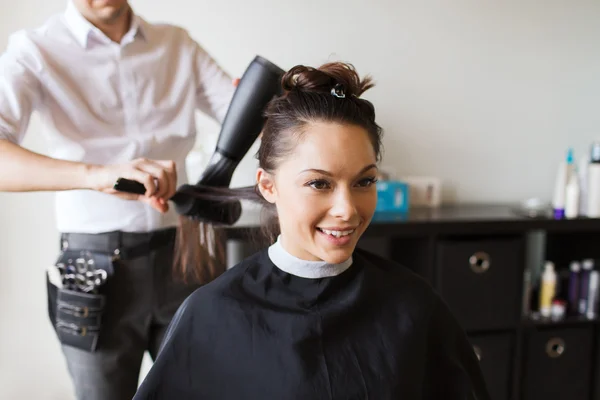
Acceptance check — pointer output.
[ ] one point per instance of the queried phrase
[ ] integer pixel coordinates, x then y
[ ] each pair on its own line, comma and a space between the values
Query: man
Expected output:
117, 97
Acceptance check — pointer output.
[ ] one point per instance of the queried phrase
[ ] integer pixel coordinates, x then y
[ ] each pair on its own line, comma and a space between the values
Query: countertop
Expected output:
467, 218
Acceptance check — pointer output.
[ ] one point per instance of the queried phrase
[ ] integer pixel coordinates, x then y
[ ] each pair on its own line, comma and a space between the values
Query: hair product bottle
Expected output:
593, 182
592, 301
584, 287
582, 172
574, 268
572, 196
548, 289
560, 186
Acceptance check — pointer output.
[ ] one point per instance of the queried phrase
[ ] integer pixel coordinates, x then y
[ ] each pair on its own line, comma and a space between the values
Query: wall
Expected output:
485, 95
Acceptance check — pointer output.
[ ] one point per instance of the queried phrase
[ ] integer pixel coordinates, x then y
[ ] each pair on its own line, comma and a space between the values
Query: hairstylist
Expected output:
117, 96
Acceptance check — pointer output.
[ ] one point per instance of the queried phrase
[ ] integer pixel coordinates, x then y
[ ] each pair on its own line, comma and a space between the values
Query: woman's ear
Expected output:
266, 185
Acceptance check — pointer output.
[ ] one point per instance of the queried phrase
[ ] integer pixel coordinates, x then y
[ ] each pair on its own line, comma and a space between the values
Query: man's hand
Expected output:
159, 177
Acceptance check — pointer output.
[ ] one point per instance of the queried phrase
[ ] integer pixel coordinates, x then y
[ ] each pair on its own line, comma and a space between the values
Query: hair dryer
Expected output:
242, 124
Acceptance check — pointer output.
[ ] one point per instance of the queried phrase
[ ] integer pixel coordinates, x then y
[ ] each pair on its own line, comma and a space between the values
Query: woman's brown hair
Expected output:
330, 93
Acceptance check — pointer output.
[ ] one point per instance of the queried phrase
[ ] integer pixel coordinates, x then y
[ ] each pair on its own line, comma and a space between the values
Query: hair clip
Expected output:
338, 91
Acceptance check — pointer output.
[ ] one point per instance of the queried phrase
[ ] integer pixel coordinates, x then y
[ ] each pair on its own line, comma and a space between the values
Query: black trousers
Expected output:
141, 298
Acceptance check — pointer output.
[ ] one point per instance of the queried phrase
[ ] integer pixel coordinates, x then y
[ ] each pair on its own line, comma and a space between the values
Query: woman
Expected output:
312, 317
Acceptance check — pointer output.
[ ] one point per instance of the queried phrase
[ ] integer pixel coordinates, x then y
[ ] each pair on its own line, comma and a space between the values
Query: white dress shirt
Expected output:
103, 102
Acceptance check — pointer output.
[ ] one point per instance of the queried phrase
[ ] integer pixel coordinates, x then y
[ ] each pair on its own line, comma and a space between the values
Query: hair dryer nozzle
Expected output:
245, 117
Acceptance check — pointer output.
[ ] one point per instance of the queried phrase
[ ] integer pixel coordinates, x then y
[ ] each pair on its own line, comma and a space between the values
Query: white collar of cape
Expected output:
302, 268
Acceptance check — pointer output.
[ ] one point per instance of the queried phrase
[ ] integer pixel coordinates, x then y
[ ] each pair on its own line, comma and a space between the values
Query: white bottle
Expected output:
582, 171
592, 300
558, 200
593, 183
548, 289
560, 186
572, 196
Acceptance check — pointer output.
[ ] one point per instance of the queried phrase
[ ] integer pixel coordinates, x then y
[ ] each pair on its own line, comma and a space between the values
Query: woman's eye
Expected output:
319, 184
367, 181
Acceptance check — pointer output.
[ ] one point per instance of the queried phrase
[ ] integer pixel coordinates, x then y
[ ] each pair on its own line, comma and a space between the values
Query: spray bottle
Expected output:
572, 195
560, 186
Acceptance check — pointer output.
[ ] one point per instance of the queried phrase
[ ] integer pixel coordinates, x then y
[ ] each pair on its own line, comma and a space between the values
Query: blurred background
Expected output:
485, 96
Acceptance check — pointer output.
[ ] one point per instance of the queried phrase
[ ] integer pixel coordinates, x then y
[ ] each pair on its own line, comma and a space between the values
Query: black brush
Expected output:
209, 209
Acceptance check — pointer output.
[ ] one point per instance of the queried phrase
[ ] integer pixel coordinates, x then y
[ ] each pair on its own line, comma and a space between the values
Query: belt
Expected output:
123, 245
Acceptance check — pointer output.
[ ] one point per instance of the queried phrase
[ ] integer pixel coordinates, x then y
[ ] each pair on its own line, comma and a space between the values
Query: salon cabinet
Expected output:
494, 352
479, 280
558, 363
475, 257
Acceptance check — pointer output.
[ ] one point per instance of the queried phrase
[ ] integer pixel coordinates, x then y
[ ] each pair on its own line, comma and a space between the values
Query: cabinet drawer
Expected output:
558, 364
495, 353
480, 280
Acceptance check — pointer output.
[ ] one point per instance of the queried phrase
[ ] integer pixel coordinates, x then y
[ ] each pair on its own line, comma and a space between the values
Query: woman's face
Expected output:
324, 192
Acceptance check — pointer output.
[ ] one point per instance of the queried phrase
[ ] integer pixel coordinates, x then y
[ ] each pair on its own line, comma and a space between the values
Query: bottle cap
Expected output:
570, 156
575, 266
588, 264
558, 309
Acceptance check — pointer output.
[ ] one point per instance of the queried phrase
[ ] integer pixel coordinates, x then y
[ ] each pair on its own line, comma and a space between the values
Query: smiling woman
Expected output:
312, 316
325, 199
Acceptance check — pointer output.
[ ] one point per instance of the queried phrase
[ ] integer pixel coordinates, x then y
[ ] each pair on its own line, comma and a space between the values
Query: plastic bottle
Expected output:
572, 196
574, 268
560, 186
526, 306
570, 163
584, 284
593, 182
582, 171
592, 301
548, 289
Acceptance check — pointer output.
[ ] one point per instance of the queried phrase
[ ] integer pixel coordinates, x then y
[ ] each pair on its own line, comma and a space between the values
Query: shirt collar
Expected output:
303, 268
82, 28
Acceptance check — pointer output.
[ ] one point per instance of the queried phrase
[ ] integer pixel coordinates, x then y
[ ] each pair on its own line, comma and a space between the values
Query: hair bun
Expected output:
335, 77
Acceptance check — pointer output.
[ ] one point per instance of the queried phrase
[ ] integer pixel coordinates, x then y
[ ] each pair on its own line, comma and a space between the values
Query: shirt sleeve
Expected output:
20, 89
215, 87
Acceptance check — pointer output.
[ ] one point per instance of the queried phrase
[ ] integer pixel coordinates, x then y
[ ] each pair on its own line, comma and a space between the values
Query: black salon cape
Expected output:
376, 331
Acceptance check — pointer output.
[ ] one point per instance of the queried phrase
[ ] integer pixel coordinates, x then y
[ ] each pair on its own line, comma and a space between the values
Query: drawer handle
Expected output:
555, 347
477, 351
480, 262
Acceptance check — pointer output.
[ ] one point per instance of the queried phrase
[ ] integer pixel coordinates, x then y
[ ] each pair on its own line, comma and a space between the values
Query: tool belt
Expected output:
76, 282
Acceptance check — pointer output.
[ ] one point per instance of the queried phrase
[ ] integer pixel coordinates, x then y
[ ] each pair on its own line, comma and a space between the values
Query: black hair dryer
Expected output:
242, 124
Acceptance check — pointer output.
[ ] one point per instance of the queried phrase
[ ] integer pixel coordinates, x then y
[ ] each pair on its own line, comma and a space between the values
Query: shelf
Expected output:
565, 322
451, 219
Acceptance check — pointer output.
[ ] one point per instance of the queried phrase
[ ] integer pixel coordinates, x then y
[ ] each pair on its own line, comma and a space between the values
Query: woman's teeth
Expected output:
337, 233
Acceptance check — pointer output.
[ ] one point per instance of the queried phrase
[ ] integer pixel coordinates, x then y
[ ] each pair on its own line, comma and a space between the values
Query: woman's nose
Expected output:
343, 206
